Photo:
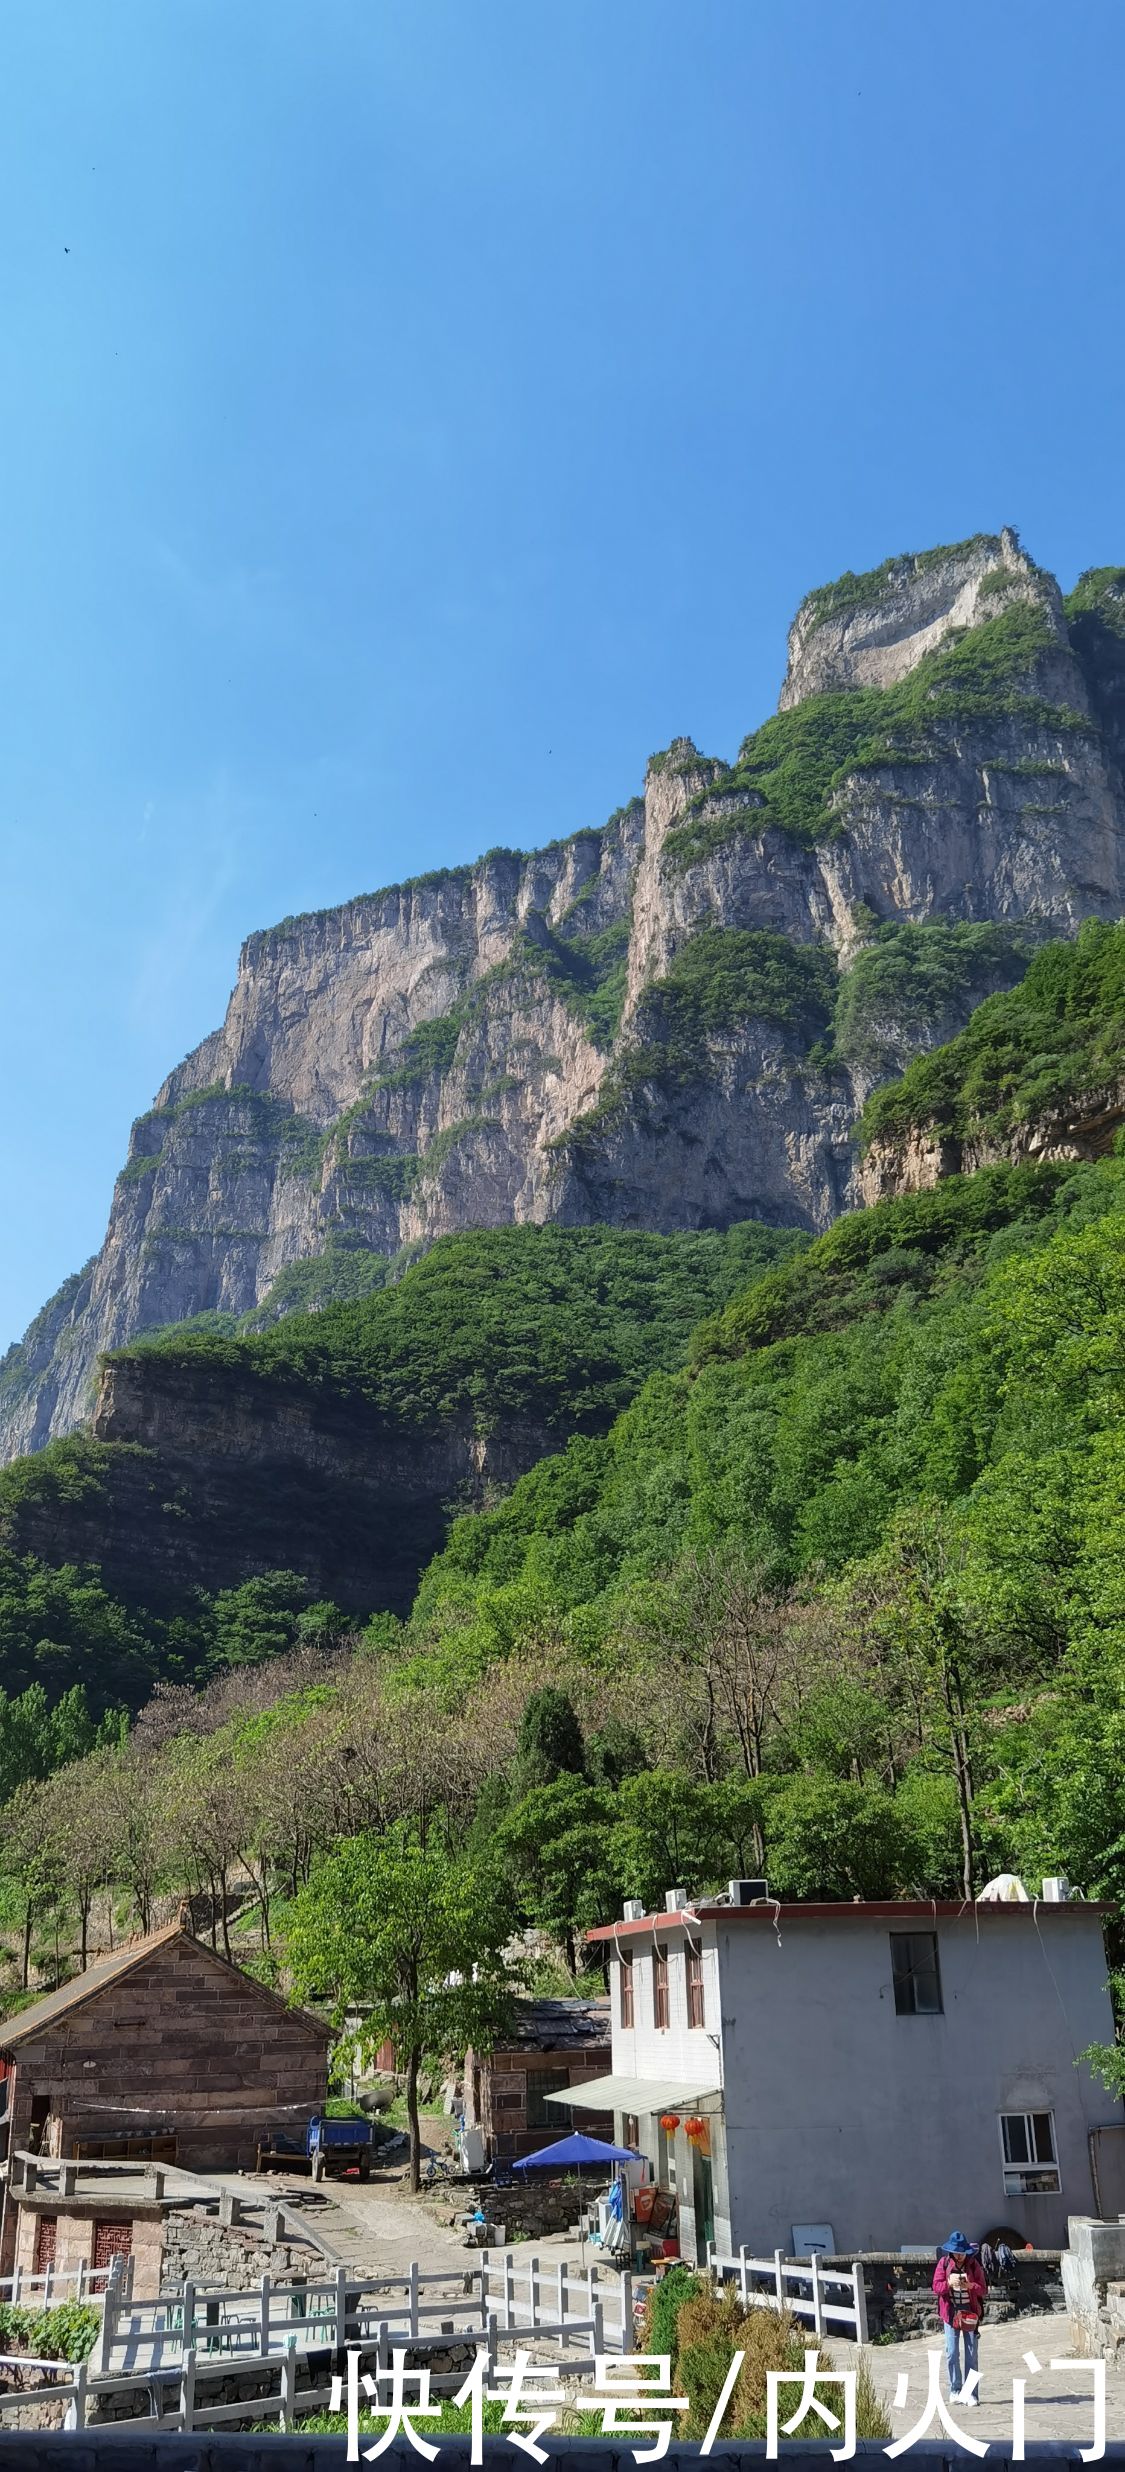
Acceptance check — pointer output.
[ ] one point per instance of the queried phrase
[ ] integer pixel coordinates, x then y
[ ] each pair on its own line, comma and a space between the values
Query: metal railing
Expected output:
172, 2350
814, 2298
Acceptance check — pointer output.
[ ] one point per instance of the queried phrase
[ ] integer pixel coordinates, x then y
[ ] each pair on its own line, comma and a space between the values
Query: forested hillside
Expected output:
839, 1593
531, 1333
843, 1597
1046, 1059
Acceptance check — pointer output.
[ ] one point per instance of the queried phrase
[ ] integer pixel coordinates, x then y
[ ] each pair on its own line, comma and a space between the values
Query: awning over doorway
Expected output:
638, 2095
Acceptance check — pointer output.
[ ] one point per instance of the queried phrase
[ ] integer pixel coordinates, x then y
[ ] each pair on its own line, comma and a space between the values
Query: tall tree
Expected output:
411, 1936
557, 1848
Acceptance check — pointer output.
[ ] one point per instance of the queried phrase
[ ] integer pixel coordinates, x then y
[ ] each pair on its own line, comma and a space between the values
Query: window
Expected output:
693, 1969
660, 1988
1027, 2141
540, 2113
630, 2130
914, 1967
626, 1982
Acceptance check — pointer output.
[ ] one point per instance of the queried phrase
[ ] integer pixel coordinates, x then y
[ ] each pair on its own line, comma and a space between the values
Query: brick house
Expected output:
161, 2053
554, 2044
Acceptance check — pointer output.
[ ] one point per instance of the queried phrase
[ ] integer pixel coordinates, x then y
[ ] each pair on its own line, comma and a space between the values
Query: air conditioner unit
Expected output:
749, 1892
675, 1901
1056, 1892
633, 1909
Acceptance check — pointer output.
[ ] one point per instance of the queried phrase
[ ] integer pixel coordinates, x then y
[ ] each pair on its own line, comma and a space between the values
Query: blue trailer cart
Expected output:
338, 2145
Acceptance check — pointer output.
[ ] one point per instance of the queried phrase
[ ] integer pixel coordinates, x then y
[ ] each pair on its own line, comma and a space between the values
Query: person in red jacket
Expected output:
961, 2290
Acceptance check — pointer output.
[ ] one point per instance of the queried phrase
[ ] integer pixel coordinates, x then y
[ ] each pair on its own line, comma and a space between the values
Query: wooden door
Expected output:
112, 2240
45, 2242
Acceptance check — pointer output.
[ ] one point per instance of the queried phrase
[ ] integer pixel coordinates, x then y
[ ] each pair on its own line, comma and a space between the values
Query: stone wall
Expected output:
900, 2298
1093, 2278
529, 2209
200, 2249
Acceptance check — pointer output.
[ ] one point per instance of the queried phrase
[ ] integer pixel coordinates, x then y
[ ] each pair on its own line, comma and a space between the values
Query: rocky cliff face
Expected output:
872, 630
205, 1485
643, 1024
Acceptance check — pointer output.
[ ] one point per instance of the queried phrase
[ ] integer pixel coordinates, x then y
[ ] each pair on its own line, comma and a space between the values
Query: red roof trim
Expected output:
890, 1910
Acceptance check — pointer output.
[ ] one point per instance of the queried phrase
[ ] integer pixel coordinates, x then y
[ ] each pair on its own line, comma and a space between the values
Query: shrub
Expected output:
712, 2327
66, 2333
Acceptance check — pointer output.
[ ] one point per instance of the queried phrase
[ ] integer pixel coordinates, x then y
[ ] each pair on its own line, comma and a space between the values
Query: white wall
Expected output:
677, 2053
677, 2050
838, 2110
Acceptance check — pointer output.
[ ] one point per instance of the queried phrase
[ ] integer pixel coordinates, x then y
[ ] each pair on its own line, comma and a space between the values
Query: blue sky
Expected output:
415, 411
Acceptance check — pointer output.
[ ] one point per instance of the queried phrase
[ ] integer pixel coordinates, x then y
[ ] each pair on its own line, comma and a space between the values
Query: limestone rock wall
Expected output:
478, 1047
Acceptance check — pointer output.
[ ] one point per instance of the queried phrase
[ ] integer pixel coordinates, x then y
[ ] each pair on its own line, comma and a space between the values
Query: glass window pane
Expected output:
1016, 2148
914, 1968
1043, 2137
927, 1989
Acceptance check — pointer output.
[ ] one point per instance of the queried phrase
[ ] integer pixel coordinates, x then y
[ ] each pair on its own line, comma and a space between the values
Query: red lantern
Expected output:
669, 2121
695, 2127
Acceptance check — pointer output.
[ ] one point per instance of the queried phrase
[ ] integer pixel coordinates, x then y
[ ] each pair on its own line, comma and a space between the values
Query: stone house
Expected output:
162, 2053
862, 2077
555, 2044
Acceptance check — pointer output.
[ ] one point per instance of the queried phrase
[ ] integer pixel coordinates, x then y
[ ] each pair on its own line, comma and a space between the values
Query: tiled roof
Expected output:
58, 2004
560, 2025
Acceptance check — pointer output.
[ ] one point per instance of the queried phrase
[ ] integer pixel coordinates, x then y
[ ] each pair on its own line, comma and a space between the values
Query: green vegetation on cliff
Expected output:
341, 1275
553, 1325
1027, 1054
839, 1387
1099, 592
910, 979
849, 592
721, 979
791, 771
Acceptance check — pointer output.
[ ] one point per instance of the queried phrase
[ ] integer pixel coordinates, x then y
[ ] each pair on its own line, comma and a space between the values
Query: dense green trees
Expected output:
839, 1596
412, 1935
1051, 1042
559, 1325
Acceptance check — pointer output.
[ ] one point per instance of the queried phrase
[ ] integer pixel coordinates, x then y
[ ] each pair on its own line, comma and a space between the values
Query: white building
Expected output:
871, 2073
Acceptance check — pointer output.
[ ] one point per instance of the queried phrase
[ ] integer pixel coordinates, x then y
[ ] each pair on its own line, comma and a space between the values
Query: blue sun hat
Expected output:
957, 2246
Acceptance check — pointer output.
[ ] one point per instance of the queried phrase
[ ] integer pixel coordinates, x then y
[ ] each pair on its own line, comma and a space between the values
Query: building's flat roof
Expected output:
862, 1910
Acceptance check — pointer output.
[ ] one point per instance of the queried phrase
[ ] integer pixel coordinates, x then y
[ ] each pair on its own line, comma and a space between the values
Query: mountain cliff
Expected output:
671, 1022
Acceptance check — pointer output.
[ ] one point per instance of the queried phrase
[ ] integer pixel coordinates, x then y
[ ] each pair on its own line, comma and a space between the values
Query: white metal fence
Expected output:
45, 2291
176, 2349
827, 2297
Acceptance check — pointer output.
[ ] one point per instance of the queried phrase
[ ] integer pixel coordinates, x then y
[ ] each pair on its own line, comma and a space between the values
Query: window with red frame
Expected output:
660, 1988
626, 2000
693, 1968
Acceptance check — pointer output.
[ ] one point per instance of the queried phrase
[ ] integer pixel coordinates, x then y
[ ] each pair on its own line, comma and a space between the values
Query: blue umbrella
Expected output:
570, 2153
575, 2154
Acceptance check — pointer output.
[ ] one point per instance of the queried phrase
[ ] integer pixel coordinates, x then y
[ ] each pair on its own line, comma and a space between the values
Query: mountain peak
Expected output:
871, 630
